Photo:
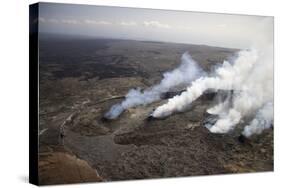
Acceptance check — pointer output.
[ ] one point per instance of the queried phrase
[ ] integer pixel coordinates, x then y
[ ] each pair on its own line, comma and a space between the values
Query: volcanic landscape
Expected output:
80, 79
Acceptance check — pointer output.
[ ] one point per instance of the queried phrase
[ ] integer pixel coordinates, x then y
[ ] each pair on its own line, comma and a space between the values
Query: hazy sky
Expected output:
235, 31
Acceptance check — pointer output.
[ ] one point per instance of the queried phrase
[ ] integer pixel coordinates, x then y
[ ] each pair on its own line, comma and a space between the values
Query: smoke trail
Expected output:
263, 120
181, 76
226, 78
221, 107
250, 75
256, 92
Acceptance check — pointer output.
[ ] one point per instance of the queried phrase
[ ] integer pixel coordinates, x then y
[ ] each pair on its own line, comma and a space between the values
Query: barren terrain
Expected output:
81, 78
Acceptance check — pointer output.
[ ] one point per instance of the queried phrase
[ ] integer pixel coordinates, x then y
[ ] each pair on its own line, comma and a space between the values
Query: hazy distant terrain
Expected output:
81, 78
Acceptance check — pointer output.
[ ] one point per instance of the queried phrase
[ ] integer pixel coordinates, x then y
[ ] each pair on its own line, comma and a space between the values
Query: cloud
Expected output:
97, 22
52, 20
156, 24
42, 20
131, 23
73, 21
69, 21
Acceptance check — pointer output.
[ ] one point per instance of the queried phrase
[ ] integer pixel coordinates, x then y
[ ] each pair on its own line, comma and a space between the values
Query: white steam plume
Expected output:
226, 78
188, 71
263, 120
221, 107
255, 92
250, 75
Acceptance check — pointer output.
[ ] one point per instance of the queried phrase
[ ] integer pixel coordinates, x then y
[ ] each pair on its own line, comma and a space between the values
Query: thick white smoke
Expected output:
221, 107
250, 76
263, 120
188, 71
226, 78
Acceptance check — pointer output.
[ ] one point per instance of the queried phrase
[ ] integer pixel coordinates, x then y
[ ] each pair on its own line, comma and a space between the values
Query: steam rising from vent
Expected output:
250, 76
181, 76
263, 120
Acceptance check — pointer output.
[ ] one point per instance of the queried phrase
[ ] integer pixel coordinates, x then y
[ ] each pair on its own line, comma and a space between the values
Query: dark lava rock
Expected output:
242, 139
